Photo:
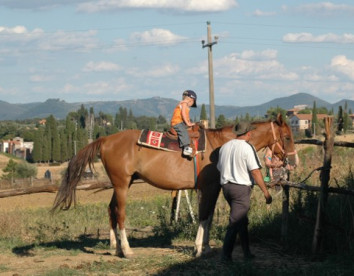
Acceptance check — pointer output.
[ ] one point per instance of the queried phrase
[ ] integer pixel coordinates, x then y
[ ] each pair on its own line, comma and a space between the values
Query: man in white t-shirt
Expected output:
239, 166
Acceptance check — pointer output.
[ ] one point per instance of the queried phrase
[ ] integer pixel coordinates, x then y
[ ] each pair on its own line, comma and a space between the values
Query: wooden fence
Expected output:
324, 189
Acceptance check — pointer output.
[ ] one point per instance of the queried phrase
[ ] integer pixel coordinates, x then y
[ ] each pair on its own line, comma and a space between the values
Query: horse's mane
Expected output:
220, 128
262, 121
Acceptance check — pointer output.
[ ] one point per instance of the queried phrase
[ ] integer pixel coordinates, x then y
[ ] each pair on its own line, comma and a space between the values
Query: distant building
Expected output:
42, 122
296, 109
301, 122
351, 116
17, 147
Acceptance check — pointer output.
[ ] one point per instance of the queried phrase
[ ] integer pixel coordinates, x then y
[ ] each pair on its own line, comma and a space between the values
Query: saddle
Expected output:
169, 140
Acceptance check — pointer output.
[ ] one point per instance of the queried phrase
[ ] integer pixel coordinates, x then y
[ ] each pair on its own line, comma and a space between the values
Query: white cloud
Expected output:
34, 4
101, 66
19, 39
343, 65
74, 41
253, 65
177, 5
321, 9
100, 90
14, 30
325, 7
154, 72
325, 38
18, 34
40, 78
262, 55
260, 13
156, 36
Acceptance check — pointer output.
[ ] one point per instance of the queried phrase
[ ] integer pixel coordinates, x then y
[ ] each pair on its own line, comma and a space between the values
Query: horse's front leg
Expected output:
122, 247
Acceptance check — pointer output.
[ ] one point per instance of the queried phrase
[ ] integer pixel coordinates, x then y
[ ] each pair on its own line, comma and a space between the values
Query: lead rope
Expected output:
196, 166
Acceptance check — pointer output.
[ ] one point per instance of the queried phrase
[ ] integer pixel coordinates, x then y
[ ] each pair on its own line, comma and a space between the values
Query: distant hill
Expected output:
154, 107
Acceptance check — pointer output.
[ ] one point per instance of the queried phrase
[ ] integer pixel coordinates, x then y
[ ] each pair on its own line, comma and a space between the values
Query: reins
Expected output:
276, 143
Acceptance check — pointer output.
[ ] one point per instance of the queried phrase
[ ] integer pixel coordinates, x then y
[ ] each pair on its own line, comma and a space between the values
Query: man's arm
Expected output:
257, 176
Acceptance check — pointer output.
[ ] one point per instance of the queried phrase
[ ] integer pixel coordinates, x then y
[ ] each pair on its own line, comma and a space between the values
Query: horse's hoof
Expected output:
197, 254
129, 256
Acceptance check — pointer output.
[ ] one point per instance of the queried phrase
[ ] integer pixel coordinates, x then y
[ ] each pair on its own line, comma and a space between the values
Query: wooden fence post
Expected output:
318, 238
285, 215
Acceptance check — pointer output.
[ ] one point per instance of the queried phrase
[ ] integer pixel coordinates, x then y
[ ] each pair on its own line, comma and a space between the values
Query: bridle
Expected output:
276, 143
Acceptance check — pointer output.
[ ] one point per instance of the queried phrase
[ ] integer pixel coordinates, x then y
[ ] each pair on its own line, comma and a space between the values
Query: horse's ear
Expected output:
279, 120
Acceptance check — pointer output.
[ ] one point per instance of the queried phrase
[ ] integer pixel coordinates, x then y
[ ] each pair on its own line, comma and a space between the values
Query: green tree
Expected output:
53, 139
10, 171
121, 118
203, 113
221, 121
322, 110
82, 116
345, 118
273, 112
314, 120
340, 124
161, 120
38, 145
46, 149
306, 110
26, 170
63, 146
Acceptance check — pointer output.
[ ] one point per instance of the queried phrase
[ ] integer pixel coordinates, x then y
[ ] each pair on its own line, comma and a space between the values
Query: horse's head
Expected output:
277, 136
283, 142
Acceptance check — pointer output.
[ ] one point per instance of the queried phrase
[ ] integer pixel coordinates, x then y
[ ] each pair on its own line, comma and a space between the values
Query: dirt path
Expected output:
41, 262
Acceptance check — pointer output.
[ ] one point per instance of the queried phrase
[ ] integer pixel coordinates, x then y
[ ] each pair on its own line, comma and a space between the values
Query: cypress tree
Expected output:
314, 118
63, 146
38, 145
83, 115
345, 118
46, 147
203, 113
340, 120
221, 121
54, 139
69, 133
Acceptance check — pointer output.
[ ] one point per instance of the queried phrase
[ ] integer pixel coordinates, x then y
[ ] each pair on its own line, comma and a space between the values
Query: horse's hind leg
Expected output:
123, 248
113, 220
209, 195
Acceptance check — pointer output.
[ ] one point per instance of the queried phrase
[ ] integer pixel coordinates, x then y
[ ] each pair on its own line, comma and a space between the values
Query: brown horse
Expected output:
125, 161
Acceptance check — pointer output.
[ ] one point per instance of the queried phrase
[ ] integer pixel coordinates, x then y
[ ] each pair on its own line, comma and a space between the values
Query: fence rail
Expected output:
328, 145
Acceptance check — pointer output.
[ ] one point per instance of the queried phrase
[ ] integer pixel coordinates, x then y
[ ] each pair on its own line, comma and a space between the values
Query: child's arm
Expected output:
185, 116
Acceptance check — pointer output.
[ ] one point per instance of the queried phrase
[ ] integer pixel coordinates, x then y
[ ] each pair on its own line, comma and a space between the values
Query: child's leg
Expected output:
183, 136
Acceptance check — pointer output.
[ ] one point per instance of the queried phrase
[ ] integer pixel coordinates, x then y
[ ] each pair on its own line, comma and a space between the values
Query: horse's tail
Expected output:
76, 167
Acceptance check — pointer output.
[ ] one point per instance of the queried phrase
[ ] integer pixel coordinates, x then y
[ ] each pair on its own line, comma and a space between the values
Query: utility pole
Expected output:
211, 78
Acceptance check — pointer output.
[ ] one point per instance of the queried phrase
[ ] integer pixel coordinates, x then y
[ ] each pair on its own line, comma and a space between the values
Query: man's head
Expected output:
242, 128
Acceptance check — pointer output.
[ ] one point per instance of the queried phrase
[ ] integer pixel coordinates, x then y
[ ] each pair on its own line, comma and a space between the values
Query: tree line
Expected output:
57, 141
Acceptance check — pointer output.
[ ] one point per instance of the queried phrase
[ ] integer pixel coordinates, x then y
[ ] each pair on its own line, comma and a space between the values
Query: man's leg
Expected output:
245, 244
238, 198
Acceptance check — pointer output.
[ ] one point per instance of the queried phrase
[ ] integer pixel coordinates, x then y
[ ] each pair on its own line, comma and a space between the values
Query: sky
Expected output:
115, 50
